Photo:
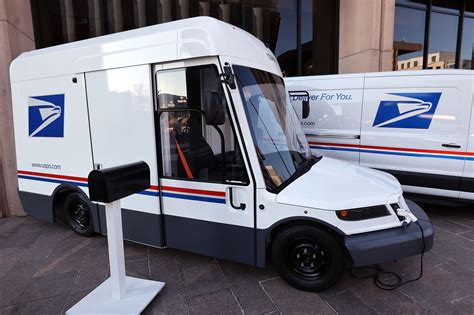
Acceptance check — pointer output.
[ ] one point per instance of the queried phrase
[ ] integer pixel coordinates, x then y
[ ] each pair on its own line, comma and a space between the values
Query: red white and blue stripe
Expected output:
411, 152
212, 196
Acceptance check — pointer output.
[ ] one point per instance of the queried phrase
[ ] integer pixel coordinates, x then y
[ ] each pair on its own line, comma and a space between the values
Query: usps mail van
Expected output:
232, 173
416, 125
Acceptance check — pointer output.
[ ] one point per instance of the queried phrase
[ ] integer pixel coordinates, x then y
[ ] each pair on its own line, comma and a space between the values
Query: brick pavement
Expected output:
46, 268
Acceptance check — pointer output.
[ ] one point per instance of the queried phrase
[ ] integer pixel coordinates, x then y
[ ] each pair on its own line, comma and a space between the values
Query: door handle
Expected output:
336, 136
242, 206
451, 145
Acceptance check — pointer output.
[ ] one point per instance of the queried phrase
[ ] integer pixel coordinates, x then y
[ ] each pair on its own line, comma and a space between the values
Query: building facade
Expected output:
308, 37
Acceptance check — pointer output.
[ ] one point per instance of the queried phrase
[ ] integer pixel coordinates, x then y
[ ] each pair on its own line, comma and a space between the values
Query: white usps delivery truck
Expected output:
416, 125
232, 173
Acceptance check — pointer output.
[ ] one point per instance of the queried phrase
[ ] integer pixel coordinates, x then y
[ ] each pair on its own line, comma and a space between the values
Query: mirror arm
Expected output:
228, 77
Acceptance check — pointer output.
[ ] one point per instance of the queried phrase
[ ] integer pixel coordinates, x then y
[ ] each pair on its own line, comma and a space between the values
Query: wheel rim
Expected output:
80, 216
307, 258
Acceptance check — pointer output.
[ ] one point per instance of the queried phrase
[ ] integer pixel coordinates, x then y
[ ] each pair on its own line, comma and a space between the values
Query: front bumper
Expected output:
391, 244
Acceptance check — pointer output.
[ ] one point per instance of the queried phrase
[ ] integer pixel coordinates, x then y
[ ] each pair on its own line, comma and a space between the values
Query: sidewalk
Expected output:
46, 268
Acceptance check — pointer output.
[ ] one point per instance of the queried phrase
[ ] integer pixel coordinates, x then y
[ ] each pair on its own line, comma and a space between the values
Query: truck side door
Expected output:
335, 105
122, 131
206, 194
467, 182
415, 127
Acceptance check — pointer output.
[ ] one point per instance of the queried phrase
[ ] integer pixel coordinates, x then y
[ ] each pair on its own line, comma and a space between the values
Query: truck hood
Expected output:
336, 185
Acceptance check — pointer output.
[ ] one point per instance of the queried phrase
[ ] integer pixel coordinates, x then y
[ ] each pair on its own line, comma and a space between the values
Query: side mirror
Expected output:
305, 104
303, 97
214, 110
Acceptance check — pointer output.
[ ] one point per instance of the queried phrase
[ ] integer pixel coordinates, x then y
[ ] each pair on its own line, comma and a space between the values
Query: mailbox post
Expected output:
119, 293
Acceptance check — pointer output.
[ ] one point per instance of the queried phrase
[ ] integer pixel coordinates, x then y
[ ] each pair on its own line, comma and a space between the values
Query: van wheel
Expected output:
78, 214
308, 258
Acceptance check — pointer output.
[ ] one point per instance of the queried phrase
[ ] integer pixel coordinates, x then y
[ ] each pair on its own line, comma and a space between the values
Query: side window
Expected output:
191, 148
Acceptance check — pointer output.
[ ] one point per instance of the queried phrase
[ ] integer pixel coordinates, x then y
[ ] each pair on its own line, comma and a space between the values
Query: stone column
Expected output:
204, 8
224, 12
164, 11
69, 28
140, 13
115, 16
95, 18
184, 9
366, 35
258, 22
16, 36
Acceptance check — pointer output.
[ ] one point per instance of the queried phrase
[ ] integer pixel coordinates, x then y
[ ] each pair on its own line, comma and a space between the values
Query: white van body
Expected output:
132, 96
416, 125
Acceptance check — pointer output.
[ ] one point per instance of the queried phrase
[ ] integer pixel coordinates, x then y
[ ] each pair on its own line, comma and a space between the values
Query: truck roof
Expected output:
173, 41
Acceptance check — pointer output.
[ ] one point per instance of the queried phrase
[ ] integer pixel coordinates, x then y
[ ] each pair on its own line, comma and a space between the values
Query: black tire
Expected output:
308, 258
78, 214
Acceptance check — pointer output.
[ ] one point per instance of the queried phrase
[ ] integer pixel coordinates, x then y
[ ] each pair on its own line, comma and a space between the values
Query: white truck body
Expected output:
140, 96
416, 125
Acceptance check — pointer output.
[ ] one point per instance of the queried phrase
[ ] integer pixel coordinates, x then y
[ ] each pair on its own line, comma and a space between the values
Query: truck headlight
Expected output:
363, 213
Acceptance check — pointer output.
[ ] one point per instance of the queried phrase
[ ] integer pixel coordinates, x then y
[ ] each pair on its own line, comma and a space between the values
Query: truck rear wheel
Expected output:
308, 258
78, 214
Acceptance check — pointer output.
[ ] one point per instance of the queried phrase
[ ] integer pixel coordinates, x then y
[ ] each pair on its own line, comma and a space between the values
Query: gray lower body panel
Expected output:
140, 227
392, 244
231, 242
219, 240
38, 206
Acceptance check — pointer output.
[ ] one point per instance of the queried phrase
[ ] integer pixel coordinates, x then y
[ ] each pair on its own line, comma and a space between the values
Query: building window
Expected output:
319, 48
443, 37
415, 63
274, 23
303, 34
437, 31
409, 33
467, 47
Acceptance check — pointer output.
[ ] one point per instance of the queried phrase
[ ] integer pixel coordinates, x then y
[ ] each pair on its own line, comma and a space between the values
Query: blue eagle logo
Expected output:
46, 116
409, 110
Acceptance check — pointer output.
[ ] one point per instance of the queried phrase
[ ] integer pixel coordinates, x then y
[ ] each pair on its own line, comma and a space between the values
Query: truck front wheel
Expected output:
307, 258
78, 214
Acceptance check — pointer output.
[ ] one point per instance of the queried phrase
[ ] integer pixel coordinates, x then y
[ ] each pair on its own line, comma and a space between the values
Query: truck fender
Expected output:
264, 236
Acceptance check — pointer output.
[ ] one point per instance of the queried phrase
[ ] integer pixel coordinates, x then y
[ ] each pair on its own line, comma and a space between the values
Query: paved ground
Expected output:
45, 269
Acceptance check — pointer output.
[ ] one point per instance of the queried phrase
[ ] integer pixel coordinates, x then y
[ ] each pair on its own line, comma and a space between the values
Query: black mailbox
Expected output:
115, 183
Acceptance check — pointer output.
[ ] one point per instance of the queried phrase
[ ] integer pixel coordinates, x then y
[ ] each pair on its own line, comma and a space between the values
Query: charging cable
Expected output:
379, 272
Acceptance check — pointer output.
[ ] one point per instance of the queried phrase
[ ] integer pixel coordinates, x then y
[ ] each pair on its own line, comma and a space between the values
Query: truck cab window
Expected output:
192, 147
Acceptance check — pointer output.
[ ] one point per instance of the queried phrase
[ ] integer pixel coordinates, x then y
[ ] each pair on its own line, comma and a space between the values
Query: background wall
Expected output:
16, 36
365, 44
366, 35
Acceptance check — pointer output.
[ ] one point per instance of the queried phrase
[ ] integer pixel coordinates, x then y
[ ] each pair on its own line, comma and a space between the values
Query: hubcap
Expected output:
81, 216
307, 258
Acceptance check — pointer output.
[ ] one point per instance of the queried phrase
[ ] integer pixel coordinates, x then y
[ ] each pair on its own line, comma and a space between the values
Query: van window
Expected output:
191, 149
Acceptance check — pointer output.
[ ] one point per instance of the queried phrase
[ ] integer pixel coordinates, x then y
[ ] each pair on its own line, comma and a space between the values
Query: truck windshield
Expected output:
280, 142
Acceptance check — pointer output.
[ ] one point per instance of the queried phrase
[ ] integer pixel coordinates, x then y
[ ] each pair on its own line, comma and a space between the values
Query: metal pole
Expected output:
426, 43
298, 38
457, 59
113, 216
